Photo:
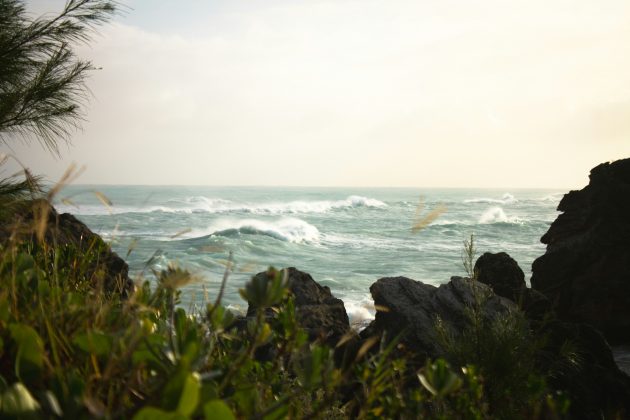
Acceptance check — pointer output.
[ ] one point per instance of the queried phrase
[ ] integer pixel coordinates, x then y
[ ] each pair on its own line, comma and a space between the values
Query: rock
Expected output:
597, 388
502, 273
66, 230
585, 270
409, 307
535, 305
321, 314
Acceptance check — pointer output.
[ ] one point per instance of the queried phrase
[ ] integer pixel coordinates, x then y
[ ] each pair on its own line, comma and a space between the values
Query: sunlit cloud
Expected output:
405, 93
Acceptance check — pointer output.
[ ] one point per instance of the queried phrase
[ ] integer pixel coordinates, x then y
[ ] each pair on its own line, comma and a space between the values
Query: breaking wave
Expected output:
496, 215
285, 229
506, 199
200, 204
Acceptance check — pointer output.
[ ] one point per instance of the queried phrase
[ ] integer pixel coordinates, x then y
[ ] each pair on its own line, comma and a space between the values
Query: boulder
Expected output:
321, 314
64, 229
410, 308
585, 270
503, 274
575, 356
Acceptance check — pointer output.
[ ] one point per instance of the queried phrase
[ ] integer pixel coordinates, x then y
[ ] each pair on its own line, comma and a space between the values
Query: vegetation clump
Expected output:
70, 349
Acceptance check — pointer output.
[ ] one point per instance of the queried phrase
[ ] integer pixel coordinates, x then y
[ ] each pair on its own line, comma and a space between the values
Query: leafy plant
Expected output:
42, 82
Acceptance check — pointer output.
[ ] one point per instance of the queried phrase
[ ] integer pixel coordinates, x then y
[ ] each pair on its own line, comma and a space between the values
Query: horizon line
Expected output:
565, 188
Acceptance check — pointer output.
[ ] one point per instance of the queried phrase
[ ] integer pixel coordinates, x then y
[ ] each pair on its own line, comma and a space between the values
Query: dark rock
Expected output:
621, 354
585, 271
410, 308
502, 273
66, 230
321, 314
594, 383
535, 305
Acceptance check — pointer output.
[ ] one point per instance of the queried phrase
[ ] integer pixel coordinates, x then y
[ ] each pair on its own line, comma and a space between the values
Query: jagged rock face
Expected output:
586, 268
320, 313
411, 307
502, 273
65, 229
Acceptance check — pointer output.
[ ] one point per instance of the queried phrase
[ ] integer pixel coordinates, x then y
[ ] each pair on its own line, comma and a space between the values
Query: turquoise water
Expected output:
346, 238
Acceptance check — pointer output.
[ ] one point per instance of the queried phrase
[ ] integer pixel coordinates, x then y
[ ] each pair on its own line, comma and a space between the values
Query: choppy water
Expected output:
345, 238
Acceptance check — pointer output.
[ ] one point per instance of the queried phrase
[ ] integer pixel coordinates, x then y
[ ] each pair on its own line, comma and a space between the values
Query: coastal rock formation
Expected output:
409, 307
66, 230
321, 314
575, 356
585, 271
580, 362
503, 274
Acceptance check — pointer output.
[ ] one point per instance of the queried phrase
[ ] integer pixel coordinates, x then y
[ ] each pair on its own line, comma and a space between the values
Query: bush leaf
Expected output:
30, 354
217, 410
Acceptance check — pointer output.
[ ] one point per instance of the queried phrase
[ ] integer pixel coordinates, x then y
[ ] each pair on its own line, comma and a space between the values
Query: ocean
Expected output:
346, 238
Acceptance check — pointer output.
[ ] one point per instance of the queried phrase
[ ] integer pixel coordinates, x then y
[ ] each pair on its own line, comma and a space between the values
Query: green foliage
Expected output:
439, 380
42, 82
69, 349
503, 349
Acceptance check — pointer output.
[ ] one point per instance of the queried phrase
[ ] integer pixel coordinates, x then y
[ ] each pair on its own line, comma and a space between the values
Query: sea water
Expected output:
346, 238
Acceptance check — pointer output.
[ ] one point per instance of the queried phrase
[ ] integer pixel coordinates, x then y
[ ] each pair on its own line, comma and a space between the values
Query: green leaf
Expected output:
217, 410
310, 367
190, 394
18, 401
152, 413
439, 379
94, 342
265, 290
282, 412
30, 354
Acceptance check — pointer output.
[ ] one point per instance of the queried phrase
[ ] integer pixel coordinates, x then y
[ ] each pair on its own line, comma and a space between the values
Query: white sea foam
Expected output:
286, 229
360, 312
554, 198
496, 215
200, 204
321, 206
506, 199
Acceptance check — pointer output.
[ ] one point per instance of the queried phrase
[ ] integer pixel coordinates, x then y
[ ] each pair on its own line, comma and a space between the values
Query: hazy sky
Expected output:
435, 93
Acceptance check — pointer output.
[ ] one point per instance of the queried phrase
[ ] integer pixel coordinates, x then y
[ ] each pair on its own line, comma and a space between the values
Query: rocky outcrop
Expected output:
105, 267
322, 315
410, 308
585, 271
580, 362
503, 274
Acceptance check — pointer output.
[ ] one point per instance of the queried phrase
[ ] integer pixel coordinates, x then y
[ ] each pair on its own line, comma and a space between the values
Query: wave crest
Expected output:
200, 204
507, 198
496, 215
286, 229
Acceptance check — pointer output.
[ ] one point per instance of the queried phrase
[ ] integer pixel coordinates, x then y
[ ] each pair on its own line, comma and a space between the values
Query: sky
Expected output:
388, 93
